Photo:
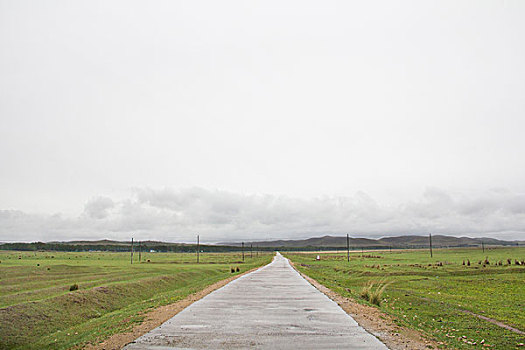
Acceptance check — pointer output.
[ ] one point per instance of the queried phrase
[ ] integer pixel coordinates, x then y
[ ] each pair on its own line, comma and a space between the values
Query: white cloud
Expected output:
302, 99
178, 215
98, 208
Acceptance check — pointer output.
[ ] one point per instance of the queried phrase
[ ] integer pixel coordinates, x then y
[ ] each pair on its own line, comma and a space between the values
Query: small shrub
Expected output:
365, 292
73, 287
508, 262
37, 264
48, 268
237, 269
375, 297
463, 262
371, 294
516, 262
486, 262
232, 270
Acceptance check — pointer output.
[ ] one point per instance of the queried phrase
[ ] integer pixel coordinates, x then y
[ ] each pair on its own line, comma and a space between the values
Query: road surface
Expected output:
271, 308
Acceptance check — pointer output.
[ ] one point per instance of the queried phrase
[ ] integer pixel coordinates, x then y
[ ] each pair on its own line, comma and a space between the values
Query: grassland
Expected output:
438, 296
37, 309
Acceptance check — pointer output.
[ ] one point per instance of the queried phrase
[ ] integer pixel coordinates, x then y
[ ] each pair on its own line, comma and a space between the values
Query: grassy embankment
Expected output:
37, 310
434, 295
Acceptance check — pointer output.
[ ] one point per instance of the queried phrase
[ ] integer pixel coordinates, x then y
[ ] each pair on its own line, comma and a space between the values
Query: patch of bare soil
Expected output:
158, 316
381, 325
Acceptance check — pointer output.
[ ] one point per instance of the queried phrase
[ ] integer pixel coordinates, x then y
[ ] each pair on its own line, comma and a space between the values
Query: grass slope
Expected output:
37, 310
435, 299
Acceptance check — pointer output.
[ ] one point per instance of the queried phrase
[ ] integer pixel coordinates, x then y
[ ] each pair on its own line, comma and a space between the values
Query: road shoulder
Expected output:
374, 321
157, 316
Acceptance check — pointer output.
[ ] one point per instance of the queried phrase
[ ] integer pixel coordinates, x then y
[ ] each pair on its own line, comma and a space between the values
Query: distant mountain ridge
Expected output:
111, 242
386, 242
314, 243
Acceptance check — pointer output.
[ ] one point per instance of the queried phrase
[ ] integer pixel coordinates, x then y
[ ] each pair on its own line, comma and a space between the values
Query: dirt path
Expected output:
496, 322
485, 318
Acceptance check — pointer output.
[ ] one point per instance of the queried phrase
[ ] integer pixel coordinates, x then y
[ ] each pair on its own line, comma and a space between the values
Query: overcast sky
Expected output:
261, 119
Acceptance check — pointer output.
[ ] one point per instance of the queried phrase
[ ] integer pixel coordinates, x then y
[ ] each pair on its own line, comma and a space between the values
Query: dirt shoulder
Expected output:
382, 325
158, 316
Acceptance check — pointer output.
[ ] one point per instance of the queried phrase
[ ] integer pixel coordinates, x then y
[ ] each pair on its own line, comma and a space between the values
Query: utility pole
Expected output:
242, 251
251, 250
347, 248
430, 241
483, 246
131, 250
257, 251
140, 250
198, 248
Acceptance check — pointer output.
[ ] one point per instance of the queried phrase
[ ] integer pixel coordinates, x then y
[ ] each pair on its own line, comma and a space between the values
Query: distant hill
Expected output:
325, 242
386, 242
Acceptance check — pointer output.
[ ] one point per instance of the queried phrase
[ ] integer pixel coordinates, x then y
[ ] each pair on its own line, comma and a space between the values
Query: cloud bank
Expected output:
179, 215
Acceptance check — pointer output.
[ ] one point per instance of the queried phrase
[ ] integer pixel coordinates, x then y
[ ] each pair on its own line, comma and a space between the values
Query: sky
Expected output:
261, 119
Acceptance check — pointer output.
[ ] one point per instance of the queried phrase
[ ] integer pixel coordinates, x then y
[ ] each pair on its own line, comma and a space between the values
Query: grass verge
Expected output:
439, 297
112, 295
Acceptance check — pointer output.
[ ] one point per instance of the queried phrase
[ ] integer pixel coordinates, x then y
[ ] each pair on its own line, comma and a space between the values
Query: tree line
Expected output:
165, 248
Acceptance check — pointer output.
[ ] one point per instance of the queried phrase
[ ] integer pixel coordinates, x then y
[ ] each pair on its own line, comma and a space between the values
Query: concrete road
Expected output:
271, 308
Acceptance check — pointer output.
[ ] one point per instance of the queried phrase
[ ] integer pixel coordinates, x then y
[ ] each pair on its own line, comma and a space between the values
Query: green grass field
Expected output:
435, 299
37, 310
